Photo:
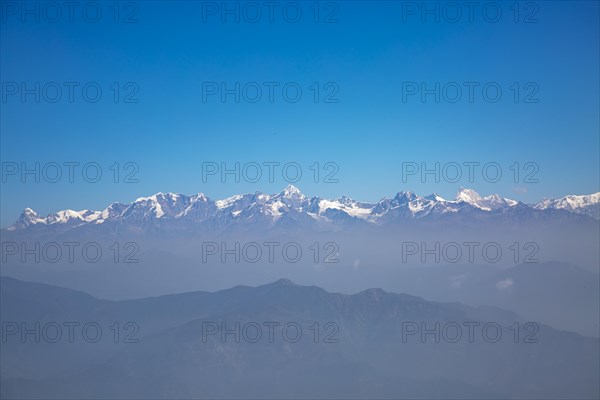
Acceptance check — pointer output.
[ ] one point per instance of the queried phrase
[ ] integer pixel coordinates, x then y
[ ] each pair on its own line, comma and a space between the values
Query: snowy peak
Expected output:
291, 192
405, 197
571, 201
167, 205
435, 197
468, 196
28, 217
345, 200
70, 216
488, 203
64, 217
229, 202
580, 204
113, 211
290, 199
29, 211
404, 205
347, 205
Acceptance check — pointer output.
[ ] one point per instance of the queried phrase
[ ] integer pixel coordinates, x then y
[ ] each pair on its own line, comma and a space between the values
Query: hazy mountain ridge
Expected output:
369, 360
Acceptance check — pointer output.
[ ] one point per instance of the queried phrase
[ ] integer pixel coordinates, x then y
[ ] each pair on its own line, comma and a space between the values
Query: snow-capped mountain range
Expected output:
577, 204
291, 205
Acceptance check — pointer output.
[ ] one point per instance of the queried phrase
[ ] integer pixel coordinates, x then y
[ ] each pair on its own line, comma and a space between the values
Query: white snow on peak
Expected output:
349, 207
228, 201
581, 204
263, 197
158, 211
487, 203
29, 217
435, 197
154, 204
67, 216
292, 191
416, 206
89, 216
468, 195
275, 208
571, 202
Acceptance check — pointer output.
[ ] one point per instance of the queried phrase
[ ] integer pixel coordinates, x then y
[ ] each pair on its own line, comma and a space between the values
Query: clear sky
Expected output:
367, 58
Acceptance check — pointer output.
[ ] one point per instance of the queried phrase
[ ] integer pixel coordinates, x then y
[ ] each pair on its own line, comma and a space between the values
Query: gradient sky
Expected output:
368, 133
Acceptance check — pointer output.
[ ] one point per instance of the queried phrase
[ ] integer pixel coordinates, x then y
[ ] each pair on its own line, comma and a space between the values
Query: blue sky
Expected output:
369, 54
